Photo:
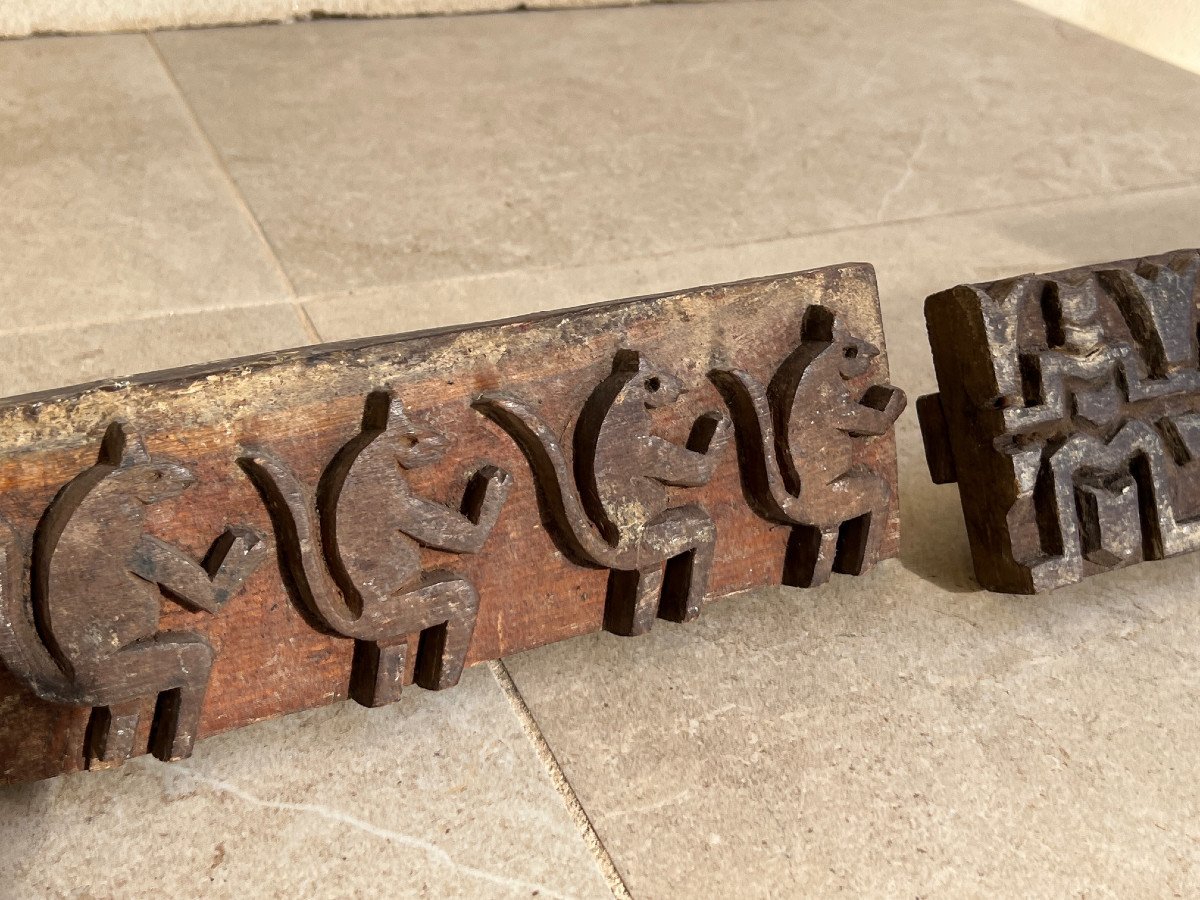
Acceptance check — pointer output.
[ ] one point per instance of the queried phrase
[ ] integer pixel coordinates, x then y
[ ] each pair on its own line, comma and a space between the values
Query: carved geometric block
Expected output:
185, 552
1068, 412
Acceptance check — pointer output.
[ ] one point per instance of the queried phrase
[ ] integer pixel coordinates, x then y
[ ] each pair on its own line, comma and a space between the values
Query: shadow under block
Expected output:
190, 551
1068, 412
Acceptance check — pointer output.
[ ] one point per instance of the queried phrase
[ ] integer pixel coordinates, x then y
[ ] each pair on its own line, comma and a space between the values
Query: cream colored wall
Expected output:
23, 17
1167, 29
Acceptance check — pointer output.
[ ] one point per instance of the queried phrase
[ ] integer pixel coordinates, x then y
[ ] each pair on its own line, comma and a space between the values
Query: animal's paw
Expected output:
497, 477
711, 433
241, 549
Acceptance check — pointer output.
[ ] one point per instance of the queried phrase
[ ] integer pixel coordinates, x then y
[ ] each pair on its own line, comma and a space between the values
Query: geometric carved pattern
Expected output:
435, 500
1069, 414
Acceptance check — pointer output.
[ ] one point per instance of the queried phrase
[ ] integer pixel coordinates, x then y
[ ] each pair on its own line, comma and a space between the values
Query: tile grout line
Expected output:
579, 816
551, 268
243, 204
306, 322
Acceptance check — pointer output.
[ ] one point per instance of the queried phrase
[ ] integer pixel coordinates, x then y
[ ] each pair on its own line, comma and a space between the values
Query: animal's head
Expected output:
855, 354
645, 381
149, 480
413, 444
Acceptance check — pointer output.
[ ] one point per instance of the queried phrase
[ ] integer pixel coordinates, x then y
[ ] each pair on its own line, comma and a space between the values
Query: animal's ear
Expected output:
121, 448
818, 324
385, 412
628, 360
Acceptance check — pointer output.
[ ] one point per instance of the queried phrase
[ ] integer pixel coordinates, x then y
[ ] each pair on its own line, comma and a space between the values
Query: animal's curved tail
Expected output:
765, 487
294, 515
21, 647
540, 446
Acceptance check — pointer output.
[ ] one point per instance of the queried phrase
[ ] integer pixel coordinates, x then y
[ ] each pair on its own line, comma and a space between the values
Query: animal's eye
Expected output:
408, 441
850, 352
653, 384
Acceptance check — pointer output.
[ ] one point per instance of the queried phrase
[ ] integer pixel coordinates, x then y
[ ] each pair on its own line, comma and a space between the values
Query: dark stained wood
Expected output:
392, 510
1069, 414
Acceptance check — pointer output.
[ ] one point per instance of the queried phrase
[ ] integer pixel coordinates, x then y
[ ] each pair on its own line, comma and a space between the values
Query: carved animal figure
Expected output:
796, 444
350, 550
88, 635
615, 512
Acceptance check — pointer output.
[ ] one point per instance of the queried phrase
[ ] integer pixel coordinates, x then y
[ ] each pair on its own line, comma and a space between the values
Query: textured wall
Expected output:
22, 17
1168, 29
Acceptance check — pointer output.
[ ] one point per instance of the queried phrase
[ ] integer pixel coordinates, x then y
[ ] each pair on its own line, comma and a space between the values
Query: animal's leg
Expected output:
632, 600
442, 652
858, 548
377, 673
177, 663
111, 732
810, 555
687, 581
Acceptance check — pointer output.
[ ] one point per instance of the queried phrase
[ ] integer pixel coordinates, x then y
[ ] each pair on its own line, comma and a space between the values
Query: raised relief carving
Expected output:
350, 549
797, 446
1073, 434
79, 625
611, 507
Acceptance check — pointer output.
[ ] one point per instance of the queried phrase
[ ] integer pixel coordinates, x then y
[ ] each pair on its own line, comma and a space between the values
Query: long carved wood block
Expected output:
1068, 412
186, 552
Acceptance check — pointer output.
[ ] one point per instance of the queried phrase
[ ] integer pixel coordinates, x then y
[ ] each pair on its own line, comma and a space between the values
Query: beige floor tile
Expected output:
112, 204
888, 738
376, 153
43, 360
438, 796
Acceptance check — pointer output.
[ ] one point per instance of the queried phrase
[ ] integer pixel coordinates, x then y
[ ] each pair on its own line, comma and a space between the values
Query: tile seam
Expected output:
215, 155
147, 316
545, 754
323, 296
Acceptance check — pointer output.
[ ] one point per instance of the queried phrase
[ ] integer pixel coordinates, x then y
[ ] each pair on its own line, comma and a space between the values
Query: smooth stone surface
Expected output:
112, 202
382, 152
883, 737
42, 360
437, 796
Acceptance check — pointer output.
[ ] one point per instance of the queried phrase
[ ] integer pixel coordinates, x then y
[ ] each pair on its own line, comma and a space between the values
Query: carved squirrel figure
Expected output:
88, 635
350, 549
797, 442
615, 512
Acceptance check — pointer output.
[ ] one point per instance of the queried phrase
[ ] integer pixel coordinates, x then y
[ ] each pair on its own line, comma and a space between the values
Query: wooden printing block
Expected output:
186, 552
1068, 412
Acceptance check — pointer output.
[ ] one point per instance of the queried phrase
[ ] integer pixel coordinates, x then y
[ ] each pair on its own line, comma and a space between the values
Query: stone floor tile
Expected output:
886, 737
382, 152
113, 204
438, 796
43, 360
